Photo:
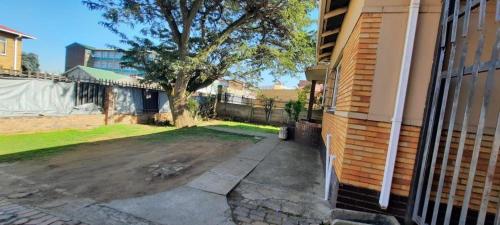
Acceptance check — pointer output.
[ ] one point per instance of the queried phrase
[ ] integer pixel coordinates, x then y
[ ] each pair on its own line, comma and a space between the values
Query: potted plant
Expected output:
293, 110
289, 127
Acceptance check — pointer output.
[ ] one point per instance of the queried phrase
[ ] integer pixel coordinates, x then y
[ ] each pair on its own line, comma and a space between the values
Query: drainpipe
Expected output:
15, 53
400, 103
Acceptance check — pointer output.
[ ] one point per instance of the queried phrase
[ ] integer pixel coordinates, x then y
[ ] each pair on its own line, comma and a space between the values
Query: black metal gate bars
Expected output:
459, 173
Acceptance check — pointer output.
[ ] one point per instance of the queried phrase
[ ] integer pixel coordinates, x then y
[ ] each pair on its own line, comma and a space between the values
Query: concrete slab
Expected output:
289, 180
225, 176
293, 167
242, 132
180, 206
215, 183
260, 150
238, 167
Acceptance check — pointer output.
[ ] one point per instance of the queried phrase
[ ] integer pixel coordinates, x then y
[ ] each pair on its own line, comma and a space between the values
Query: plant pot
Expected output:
283, 133
291, 132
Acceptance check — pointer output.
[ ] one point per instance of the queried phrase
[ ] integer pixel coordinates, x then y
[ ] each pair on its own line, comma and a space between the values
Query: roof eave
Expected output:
325, 29
18, 34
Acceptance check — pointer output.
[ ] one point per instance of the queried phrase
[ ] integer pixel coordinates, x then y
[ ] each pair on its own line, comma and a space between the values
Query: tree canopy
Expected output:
185, 45
29, 62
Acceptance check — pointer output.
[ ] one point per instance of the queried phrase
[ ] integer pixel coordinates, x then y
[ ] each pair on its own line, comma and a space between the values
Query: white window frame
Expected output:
4, 40
335, 89
325, 87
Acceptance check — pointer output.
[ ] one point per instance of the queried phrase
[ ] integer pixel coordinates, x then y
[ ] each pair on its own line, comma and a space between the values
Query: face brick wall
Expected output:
337, 127
365, 155
23, 124
360, 145
479, 179
358, 65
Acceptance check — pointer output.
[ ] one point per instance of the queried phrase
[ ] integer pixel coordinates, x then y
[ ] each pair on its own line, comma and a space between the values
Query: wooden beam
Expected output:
327, 45
330, 32
325, 55
311, 100
335, 12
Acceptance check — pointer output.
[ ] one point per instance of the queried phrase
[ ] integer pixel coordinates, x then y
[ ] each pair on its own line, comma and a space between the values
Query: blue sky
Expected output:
58, 23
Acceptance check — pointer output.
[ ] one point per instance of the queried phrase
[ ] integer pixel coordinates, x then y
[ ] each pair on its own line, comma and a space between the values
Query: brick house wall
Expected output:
359, 139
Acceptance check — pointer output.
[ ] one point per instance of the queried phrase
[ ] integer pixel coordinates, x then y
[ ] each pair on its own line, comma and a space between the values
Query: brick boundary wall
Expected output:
30, 124
26, 124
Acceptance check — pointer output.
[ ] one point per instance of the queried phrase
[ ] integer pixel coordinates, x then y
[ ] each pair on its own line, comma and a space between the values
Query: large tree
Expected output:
185, 45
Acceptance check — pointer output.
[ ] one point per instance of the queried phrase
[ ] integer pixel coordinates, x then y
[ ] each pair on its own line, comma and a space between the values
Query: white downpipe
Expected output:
15, 53
400, 103
328, 166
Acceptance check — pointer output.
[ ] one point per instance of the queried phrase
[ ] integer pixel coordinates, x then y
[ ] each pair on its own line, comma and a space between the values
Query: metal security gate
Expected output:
459, 173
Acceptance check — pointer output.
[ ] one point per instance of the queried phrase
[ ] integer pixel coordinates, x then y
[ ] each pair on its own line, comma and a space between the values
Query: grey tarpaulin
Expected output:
163, 102
128, 100
19, 97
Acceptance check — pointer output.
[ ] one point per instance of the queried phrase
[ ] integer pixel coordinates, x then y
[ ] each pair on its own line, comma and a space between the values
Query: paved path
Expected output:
285, 188
271, 182
11, 213
203, 200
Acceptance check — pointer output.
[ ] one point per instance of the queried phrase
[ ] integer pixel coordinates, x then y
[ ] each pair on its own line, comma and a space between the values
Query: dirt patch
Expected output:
117, 169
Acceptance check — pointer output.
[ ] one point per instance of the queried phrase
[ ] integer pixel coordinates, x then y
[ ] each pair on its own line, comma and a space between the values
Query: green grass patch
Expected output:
192, 133
248, 126
28, 146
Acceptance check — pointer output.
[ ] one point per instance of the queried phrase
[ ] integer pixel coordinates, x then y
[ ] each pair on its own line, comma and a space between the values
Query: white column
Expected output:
15, 53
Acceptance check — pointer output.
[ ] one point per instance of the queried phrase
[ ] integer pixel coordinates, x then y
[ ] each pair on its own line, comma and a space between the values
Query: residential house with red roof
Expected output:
11, 42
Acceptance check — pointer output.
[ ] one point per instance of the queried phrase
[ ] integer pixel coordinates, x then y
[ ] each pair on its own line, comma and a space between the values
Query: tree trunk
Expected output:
178, 98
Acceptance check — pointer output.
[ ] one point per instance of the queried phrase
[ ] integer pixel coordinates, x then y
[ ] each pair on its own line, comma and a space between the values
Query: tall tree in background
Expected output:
29, 62
185, 45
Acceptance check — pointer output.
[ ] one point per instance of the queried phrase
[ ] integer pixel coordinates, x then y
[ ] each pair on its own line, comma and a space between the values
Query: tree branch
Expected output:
188, 16
224, 35
166, 10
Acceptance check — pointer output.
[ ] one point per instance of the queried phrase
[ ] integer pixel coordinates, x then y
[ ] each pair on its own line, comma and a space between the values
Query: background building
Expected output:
11, 47
107, 59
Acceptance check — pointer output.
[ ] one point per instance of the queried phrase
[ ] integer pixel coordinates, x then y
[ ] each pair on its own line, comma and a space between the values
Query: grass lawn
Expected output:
26, 146
245, 126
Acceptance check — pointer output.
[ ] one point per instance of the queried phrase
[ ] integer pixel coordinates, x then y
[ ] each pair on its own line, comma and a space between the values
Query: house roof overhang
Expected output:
331, 16
15, 32
316, 73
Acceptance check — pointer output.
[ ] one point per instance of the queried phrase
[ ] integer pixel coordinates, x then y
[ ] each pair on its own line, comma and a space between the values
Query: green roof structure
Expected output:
84, 72
103, 74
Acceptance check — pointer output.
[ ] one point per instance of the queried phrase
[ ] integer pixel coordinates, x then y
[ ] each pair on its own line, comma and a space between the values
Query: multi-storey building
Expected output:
107, 59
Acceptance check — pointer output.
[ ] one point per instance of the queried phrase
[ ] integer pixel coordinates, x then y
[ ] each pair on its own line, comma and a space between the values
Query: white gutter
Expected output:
400, 103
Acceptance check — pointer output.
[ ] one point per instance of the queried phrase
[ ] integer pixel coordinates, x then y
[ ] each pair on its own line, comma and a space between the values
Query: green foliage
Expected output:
207, 107
203, 40
16, 143
268, 103
293, 110
29, 62
248, 127
302, 95
29, 146
289, 109
193, 107
298, 106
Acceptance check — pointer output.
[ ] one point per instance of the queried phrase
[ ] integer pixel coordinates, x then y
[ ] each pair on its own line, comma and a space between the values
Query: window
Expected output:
335, 88
3, 46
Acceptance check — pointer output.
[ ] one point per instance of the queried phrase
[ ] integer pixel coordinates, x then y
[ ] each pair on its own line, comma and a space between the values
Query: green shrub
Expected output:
193, 107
